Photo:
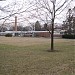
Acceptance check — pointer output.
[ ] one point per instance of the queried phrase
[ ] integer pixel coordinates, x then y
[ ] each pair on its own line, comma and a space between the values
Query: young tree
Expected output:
52, 8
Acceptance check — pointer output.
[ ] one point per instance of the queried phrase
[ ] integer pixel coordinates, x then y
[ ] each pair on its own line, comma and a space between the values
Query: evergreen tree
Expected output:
37, 26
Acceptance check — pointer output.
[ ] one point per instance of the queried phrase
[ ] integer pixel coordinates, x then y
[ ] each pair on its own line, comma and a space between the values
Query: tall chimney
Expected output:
15, 23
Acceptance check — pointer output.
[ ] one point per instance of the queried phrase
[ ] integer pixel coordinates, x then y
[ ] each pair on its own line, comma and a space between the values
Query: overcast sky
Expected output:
21, 5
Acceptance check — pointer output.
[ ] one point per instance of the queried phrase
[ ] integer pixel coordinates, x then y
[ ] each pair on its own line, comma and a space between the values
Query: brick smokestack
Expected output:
15, 23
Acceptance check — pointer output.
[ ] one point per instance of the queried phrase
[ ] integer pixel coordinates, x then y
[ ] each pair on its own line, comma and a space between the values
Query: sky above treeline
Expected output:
26, 13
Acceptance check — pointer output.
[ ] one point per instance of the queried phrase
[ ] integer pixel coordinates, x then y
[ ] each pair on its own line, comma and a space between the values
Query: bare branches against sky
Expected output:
28, 10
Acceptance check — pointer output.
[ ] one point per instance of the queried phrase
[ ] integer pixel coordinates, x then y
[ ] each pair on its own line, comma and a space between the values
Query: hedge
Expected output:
68, 36
8, 35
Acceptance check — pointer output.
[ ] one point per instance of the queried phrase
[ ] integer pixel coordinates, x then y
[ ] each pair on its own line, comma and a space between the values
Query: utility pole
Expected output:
15, 23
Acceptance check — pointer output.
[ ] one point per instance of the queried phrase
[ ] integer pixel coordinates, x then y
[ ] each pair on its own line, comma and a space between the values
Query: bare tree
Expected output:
52, 9
13, 8
48, 8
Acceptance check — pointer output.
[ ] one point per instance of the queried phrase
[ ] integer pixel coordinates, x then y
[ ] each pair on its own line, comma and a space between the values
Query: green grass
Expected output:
36, 60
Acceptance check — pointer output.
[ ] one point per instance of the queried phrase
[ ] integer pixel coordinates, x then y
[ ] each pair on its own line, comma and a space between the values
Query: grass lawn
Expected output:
29, 56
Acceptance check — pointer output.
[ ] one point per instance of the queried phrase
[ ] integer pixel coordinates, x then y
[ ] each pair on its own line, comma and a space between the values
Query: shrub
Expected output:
68, 36
8, 35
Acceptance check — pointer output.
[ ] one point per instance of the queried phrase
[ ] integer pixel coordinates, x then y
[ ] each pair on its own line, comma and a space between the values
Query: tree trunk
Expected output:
52, 32
52, 37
